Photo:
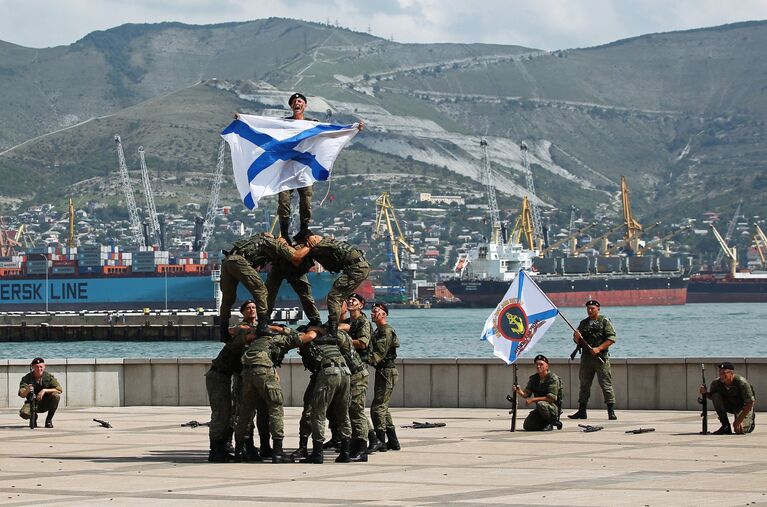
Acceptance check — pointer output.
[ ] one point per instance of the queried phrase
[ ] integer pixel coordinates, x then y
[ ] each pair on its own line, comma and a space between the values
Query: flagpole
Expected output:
514, 402
601, 360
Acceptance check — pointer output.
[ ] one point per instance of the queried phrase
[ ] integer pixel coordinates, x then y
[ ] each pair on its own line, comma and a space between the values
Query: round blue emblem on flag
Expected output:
512, 322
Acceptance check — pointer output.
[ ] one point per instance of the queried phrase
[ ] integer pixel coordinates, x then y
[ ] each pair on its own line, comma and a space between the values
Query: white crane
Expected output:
135, 222
537, 223
487, 179
728, 236
154, 223
210, 216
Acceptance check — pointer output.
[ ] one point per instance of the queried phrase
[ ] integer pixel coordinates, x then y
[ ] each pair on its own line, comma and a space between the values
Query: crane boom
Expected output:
210, 215
489, 182
730, 231
565, 240
150, 207
385, 217
537, 223
135, 222
633, 228
523, 226
654, 242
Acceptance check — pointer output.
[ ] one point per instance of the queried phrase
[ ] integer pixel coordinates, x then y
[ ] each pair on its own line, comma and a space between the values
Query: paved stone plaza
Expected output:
147, 457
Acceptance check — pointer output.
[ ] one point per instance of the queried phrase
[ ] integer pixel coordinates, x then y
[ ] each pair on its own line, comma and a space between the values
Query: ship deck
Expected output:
474, 460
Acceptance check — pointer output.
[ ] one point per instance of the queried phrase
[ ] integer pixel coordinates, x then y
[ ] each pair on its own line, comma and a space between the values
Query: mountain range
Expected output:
681, 114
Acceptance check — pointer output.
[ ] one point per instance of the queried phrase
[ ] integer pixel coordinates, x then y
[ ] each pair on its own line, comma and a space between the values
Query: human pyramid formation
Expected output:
242, 381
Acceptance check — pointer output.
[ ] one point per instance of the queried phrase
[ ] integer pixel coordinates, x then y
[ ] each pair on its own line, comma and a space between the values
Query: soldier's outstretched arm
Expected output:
299, 254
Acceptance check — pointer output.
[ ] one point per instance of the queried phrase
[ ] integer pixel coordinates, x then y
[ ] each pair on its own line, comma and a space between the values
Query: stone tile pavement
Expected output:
147, 457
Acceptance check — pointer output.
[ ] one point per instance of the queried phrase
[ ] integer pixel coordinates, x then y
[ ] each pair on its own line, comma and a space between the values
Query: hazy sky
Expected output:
544, 24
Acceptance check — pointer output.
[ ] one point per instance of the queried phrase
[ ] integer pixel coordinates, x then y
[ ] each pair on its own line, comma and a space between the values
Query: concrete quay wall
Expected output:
640, 384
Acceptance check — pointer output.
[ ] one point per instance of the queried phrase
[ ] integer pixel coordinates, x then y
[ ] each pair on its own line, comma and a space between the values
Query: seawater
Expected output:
698, 330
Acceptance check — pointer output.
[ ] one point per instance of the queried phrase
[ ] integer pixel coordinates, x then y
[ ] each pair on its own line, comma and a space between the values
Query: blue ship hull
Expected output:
132, 292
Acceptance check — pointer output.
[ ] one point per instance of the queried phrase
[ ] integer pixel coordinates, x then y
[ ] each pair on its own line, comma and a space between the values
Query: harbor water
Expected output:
696, 330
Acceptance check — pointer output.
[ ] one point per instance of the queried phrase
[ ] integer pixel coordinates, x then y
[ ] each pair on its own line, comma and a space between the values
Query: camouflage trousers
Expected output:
49, 403
300, 285
260, 391
235, 269
357, 417
305, 424
385, 380
545, 413
304, 205
722, 408
330, 400
344, 286
222, 404
590, 365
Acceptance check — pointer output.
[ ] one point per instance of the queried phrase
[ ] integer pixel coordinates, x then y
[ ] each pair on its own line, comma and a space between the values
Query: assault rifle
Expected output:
641, 430
581, 344
193, 424
103, 423
32, 407
703, 400
512, 398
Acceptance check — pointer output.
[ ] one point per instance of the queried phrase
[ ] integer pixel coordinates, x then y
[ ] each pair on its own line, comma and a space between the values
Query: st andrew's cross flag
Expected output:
520, 319
270, 155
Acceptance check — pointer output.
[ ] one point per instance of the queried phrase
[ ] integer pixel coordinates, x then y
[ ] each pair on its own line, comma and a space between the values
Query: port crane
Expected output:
760, 240
385, 218
633, 228
562, 241
134, 220
489, 182
204, 231
730, 252
154, 223
728, 235
523, 226
651, 244
537, 223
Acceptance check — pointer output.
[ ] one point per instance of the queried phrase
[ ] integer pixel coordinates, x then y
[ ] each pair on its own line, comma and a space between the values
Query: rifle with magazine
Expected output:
32, 400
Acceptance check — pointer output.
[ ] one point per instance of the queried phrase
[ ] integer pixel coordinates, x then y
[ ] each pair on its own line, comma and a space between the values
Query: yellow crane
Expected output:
71, 237
524, 226
562, 241
760, 240
654, 242
576, 251
730, 252
633, 228
386, 221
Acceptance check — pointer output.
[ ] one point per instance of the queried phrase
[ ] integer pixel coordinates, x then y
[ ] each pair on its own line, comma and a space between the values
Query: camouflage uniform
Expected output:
596, 332
383, 353
283, 269
340, 257
360, 329
545, 412
331, 391
219, 383
732, 399
304, 207
358, 386
260, 385
240, 265
50, 401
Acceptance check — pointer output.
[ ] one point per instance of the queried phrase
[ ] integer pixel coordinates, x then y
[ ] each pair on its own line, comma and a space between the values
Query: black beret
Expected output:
541, 357
37, 360
382, 307
592, 302
726, 365
358, 297
296, 96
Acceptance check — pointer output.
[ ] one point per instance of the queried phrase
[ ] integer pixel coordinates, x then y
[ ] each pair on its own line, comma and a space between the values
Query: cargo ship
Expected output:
486, 272
748, 287
98, 277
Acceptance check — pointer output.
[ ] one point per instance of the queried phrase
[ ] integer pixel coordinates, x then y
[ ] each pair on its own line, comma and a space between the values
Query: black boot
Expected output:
278, 455
381, 436
334, 443
580, 414
239, 451
332, 329
285, 230
302, 451
251, 452
218, 452
373, 443
357, 451
228, 441
316, 322
224, 328
726, 429
391, 439
611, 412
262, 326
316, 456
343, 456
266, 450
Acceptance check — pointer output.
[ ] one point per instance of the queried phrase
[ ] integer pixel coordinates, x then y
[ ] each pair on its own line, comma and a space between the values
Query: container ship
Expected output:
487, 271
96, 277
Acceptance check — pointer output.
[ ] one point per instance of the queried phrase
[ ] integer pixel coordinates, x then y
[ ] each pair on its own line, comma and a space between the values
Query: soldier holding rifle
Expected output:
732, 394
595, 334
45, 389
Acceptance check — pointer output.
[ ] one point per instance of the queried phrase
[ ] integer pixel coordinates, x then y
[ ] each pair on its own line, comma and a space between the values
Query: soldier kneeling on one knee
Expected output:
543, 390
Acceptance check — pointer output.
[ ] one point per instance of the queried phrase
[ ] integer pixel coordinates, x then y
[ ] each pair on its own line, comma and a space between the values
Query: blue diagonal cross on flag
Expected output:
270, 155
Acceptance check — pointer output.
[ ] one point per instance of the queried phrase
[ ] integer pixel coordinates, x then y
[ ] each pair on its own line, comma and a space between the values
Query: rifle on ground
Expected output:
703, 400
32, 407
581, 343
194, 424
587, 428
425, 425
641, 430
104, 424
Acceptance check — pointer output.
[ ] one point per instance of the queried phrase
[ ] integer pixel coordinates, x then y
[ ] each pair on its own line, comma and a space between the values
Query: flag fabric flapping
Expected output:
270, 155
520, 319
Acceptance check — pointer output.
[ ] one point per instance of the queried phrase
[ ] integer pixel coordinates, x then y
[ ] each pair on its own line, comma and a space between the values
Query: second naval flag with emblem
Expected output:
520, 319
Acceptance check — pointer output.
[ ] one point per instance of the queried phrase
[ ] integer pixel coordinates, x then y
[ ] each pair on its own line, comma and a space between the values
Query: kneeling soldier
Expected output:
44, 387
732, 394
543, 390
